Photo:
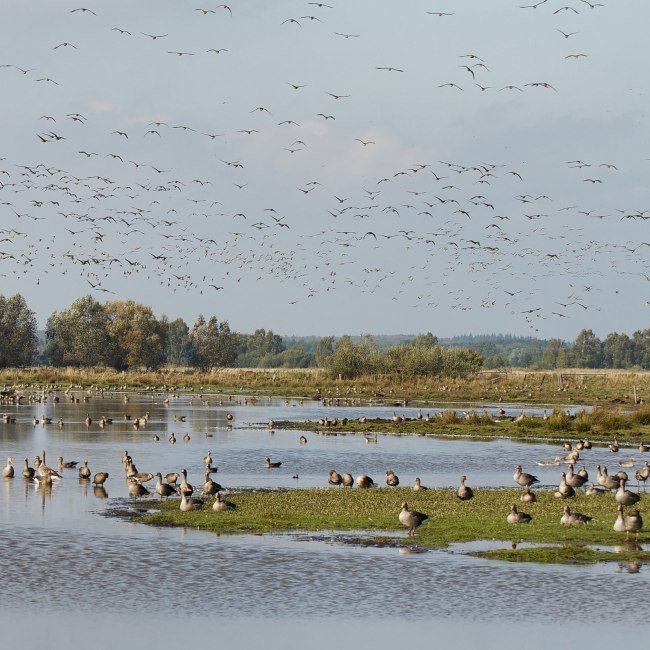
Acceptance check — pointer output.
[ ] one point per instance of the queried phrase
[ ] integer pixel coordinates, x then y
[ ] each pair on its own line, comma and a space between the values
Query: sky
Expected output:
453, 166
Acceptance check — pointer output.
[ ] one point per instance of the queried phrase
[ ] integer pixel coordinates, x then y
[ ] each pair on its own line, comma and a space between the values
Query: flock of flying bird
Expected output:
294, 189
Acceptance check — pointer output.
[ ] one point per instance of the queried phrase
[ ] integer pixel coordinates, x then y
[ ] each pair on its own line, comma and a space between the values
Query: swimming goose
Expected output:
186, 437
550, 463
100, 478
334, 478
8, 471
185, 487
348, 480
614, 447
566, 446
573, 518
155, 437
163, 489
626, 497
371, 440
172, 438
626, 463
302, 440
587, 443
564, 490
525, 480
229, 417
391, 479
418, 485
528, 496
221, 505
84, 471
464, 493
643, 448
364, 481
207, 460
210, 487
69, 464
516, 517
190, 504
411, 519
269, 465
28, 472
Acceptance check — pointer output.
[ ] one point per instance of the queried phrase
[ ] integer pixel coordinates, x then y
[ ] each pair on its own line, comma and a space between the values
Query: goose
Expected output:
608, 482
172, 477
210, 487
550, 463
580, 445
229, 417
190, 504
136, 489
593, 491
633, 523
335, 478
185, 487
528, 496
70, 464
564, 490
172, 438
418, 487
566, 446
516, 517
626, 463
391, 479
155, 437
88, 420
371, 440
621, 475
100, 478
363, 419
28, 472
643, 474
186, 437
163, 489
464, 493
573, 518
269, 465
221, 505
34, 420
626, 497
574, 480
614, 446
643, 448
587, 443
619, 524
84, 471
44, 470
207, 460
364, 481
348, 480
411, 519
395, 417
525, 480
8, 471
180, 418
143, 477
583, 472
419, 415
302, 440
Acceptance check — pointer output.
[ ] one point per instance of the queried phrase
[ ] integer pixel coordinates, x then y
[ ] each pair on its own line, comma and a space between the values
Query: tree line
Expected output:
127, 335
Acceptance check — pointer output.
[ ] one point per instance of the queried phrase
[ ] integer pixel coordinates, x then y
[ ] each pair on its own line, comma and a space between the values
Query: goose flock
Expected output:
463, 161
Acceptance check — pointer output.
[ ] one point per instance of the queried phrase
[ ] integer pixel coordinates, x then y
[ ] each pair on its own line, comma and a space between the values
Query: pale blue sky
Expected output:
305, 267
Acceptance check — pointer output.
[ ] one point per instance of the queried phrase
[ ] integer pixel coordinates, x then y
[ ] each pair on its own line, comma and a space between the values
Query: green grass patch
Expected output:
451, 520
565, 554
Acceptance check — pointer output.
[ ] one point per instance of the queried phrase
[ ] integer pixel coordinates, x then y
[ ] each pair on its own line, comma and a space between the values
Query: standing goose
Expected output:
8, 471
210, 487
100, 478
574, 480
633, 523
573, 518
643, 474
607, 481
626, 497
464, 493
88, 420
516, 517
525, 480
348, 480
221, 505
185, 487
411, 519
136, 489
28, 472
207, 460
84, 471
391, 479
619, 524
164, 489
269, 465
335, 478
364, 481
172, 477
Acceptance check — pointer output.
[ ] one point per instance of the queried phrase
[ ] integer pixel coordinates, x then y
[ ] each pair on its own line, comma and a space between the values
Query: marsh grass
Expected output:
451, 520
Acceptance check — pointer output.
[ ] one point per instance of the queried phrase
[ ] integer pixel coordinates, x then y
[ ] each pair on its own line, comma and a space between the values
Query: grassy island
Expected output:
373, 514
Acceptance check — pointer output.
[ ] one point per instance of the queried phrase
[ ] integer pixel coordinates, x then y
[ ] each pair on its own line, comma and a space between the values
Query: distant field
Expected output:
571, 386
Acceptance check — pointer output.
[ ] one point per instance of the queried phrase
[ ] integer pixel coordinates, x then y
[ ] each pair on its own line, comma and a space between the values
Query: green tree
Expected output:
618, 351
324, 349
586, 352
138, 339
18, 340
78, 335
214, 345
178, 347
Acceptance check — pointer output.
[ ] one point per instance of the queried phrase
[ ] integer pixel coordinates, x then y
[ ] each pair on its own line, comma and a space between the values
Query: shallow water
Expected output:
65, 561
